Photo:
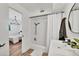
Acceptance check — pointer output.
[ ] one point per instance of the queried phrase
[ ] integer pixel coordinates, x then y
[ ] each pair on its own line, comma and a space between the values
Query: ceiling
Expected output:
59, 6
37, 6
34, 9
31, 7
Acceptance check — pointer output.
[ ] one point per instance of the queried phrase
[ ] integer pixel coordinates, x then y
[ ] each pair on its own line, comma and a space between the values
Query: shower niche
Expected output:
39, 30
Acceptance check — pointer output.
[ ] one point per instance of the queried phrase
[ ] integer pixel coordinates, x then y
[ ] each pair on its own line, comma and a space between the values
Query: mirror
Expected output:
73, 18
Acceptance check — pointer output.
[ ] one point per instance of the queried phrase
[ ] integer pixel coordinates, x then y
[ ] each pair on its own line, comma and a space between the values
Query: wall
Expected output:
69, 33
4, 29
37, 12
26, 41
49, 30
53, 27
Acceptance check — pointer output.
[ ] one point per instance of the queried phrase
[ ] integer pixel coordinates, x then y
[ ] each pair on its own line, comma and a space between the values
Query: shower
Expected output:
39, 30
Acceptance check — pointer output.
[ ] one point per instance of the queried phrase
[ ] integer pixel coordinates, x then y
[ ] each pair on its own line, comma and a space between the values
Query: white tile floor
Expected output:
38, 50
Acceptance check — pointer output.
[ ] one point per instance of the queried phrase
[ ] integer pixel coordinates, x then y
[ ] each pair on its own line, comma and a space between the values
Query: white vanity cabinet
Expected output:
57, 48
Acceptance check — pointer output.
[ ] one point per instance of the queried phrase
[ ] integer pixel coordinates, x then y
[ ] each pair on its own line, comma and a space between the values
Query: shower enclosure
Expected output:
39, 30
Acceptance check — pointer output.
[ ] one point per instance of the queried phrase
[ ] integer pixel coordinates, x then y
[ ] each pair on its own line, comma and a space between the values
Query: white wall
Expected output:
26, 41
53, 27
57, 18
37, 12
49, 30
4, 29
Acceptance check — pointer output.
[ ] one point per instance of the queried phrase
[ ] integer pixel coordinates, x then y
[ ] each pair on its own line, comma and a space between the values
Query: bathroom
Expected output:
37, 28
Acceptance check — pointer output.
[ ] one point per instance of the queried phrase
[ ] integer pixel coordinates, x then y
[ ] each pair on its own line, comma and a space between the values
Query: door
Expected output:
15, 32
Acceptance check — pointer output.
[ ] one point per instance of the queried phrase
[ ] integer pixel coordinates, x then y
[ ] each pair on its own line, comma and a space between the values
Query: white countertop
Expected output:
57, 48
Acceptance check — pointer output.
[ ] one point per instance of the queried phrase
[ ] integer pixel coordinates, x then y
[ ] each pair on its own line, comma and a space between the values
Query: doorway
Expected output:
15, 32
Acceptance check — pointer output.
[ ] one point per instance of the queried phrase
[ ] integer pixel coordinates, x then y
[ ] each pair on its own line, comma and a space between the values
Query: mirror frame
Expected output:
69, 18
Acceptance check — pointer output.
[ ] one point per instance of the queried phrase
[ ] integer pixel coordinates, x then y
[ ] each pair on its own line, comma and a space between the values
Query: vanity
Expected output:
58, 48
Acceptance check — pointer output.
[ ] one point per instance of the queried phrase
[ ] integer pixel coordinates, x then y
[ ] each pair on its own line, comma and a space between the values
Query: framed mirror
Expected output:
73, 18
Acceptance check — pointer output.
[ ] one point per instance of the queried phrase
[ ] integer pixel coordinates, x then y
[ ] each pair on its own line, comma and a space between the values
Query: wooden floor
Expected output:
45, 54
16, 50
28, 52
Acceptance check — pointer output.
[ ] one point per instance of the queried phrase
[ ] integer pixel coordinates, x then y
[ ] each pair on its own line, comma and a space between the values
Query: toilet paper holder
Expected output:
1, 45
